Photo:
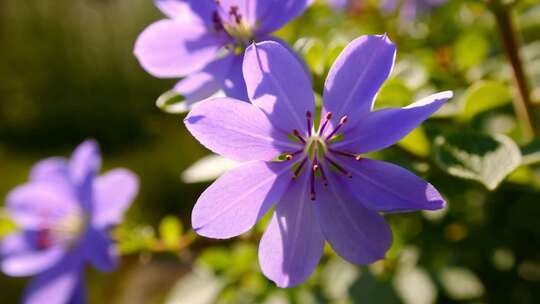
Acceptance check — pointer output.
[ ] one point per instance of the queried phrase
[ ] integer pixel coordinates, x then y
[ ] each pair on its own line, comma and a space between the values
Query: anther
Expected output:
342, 121
327, 118
297, 134
308, 117
216, 19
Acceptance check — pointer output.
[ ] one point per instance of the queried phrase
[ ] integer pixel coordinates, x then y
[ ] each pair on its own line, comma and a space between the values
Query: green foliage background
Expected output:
67, 73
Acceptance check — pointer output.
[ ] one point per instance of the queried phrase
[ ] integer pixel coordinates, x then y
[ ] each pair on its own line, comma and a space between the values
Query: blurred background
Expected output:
67, 73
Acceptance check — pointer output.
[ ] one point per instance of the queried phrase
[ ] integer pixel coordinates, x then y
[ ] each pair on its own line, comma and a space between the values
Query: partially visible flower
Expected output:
204, 41
408, 9
322, 185
64, 213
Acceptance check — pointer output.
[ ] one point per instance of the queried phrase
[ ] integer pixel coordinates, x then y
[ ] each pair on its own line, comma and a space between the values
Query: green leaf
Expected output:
484, 158
170, 231
7, 226
470, 50
313, 51
172, 102
393, 93
484, 95
416, 142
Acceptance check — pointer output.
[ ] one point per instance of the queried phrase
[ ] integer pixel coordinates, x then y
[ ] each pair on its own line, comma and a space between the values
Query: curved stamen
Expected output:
342, 121
355, 156
339, 168
327, 118
312, 181
297, 134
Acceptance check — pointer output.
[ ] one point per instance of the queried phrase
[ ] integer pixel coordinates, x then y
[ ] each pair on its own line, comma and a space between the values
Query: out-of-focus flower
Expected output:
322, 186
64, 213
204, 41
408, 9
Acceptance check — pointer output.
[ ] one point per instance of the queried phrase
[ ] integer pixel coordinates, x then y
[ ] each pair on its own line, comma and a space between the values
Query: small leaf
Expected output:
170, 231
484, 158
314, 53
172, 102
416, 142
470, 50
483, 96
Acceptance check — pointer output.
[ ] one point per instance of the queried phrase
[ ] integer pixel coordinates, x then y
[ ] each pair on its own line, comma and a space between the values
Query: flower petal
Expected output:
356, 76
84, 166
357, 234
277, 83
176, 48
383, 128
37, 205
99, 250
239, 198
235, 86
273, 14
292, 244
203, 84
113, 194
237, 130
20, 257
200, 9
54, 168
57, 285
385, 187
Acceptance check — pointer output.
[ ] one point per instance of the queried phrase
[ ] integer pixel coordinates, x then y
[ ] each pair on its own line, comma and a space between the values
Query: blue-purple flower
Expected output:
204, 41
321, 185
64, 213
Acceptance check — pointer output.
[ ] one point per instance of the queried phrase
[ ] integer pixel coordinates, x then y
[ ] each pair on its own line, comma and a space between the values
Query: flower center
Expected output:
317, 154
234, 24
65, 231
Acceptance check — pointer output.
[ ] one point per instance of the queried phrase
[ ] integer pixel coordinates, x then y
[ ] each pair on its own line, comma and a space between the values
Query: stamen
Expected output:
297, 171
327, 118
355, 156
216, 19
290, 156
323, 175
342, 121
297, 134
340, 168
235, 14
309, 125
312, 182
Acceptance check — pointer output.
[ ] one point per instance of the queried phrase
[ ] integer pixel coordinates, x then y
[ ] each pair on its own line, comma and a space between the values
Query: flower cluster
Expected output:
305, 163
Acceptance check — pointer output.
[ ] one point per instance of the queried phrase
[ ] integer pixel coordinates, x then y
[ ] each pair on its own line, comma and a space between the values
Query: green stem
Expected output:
523, 105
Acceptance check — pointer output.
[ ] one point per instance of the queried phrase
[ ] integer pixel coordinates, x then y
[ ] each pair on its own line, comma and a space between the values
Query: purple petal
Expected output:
84, 165
383, 128
277, 83
385, 187
235, 86
356, 76
113, 194
54, 168
203, 84
237, 130
199, 10
274, 14
20, 257
356, 233
239, 198
99, 250
292, 244
57, 285
37, 205
176, 48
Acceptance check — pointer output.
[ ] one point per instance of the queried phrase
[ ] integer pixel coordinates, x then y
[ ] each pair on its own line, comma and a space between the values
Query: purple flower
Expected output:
322, 187
205, 41
63, 213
